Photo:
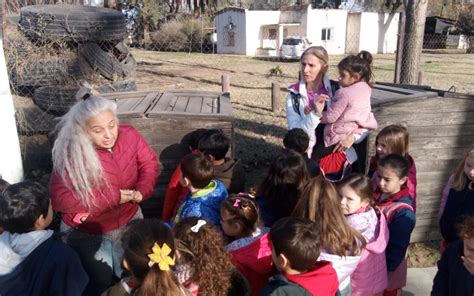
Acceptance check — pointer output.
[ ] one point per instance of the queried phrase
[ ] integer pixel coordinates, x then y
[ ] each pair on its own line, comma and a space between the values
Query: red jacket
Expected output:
321, 280
254, 261
132, 164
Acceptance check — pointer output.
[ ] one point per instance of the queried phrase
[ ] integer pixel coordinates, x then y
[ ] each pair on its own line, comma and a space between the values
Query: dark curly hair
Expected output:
205, 252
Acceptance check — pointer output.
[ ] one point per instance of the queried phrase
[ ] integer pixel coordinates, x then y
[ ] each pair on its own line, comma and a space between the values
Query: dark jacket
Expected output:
458, 205
53, 268
232, 174
401, 223
320, 281
452, 277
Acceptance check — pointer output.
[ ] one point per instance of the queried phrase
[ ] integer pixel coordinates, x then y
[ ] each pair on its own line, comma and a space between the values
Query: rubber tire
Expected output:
58, 100
76, 23
52, 71
106, 63
55, 100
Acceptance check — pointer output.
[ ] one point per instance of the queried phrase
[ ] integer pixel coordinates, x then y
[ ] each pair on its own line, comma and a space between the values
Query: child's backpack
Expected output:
335, 166
390, 209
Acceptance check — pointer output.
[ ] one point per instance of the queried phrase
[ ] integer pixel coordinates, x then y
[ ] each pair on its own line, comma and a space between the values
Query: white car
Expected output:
293, 47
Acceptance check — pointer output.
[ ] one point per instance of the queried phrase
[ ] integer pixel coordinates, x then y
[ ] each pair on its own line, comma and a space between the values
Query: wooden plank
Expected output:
399, 90
194, 105
181, 104
441, 142
162, 103
193, 92
125, 95
125, 105
135, 107
428, 119
207, 104
225, 107
172, 104
455, 130
173, 124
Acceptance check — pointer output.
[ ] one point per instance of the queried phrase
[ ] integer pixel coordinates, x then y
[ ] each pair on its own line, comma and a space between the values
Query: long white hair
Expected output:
74, 156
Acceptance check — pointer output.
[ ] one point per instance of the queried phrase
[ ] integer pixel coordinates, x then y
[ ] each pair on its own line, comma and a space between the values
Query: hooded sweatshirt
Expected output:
232, 174
321, 280
36, 263
344, 267
254, 260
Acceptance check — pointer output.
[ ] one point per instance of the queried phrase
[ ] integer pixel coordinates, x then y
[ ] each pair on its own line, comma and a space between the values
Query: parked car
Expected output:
293, 47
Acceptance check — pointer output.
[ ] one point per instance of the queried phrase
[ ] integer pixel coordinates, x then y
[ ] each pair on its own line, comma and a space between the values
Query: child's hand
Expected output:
137, 196
468, 264
126, 195
307, 109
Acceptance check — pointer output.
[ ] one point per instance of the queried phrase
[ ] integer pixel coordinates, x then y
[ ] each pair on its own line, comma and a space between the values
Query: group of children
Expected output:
298, 233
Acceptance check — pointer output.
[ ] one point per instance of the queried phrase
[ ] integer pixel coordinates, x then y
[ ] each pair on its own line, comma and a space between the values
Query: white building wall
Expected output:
237, 17
335, 19
372, 37
255, 19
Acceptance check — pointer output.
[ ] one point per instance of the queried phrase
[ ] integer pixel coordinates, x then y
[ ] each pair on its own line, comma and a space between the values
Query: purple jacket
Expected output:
348, 112
370, 276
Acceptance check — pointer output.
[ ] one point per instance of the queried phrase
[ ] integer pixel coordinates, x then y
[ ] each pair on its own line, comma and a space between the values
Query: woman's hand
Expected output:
319, 103
127, 195
344, 144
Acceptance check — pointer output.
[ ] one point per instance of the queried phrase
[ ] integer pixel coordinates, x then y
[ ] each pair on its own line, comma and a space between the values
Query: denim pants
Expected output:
101, 255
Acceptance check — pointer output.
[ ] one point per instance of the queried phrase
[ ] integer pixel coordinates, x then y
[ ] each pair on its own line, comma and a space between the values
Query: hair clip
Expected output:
198, 225
161, 256
237, 203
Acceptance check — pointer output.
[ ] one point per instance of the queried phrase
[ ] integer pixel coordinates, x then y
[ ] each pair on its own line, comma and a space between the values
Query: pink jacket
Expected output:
131, 164
370, 276
348, 112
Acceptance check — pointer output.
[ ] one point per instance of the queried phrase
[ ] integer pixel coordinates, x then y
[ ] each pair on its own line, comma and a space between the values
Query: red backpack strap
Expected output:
390, 209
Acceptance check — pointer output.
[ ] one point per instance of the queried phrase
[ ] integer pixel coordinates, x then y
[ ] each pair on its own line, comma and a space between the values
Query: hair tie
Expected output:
161, 257
237, 203
200, 223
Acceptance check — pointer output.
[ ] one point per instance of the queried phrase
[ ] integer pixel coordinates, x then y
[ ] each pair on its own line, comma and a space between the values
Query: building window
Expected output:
230, 38
326, 34
272, 34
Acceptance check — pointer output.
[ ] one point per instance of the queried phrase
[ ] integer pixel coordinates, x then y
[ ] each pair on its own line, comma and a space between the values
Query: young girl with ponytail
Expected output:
149, 256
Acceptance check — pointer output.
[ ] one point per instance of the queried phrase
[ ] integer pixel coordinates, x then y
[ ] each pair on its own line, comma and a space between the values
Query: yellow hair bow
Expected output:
161, 256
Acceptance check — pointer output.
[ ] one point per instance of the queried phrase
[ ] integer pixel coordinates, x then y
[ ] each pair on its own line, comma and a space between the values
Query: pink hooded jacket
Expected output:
370, 276
348, 112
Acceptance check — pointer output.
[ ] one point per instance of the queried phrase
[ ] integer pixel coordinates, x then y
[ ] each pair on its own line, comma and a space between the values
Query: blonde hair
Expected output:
459, 177
75, 158
396, 137
317, 51
321, 203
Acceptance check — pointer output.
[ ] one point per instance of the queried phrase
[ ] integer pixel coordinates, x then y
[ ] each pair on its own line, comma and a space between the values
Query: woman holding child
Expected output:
102, 171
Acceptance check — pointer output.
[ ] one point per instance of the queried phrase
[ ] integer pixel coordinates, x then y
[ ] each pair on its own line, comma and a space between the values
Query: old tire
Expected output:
113, 63
52, 71
58, 100
74, 23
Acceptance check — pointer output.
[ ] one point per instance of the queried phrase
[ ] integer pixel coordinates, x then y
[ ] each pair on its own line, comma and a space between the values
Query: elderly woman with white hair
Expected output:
102, 171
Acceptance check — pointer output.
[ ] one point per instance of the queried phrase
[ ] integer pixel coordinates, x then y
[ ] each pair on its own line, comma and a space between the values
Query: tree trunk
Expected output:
413, 43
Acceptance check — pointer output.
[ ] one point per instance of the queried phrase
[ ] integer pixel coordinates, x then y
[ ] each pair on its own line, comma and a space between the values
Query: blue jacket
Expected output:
458, 205
452, 277
53, 268
204, 203
401, 223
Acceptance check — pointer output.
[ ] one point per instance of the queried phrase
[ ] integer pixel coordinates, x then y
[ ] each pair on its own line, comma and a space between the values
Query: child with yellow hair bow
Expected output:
149, 251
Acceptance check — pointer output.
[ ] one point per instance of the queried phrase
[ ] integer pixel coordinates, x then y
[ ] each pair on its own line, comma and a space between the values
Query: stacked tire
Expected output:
100, 57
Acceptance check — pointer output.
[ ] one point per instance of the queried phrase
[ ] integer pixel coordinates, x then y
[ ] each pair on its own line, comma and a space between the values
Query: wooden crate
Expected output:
441, 127
164, 119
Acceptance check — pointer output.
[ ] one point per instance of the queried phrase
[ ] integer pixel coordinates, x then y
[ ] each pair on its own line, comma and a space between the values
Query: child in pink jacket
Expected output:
350, 109
358, 204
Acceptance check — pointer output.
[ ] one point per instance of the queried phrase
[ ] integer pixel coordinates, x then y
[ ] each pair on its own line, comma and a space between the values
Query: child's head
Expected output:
284, 183
214, 144
148, 254
393, 172
464, 172
466, 233
240, 216
192, 139
356, 193
196, 170
297, 140
25, 207
321, 203
355, 68
392, 139
295, 244
202, 247
314, 63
